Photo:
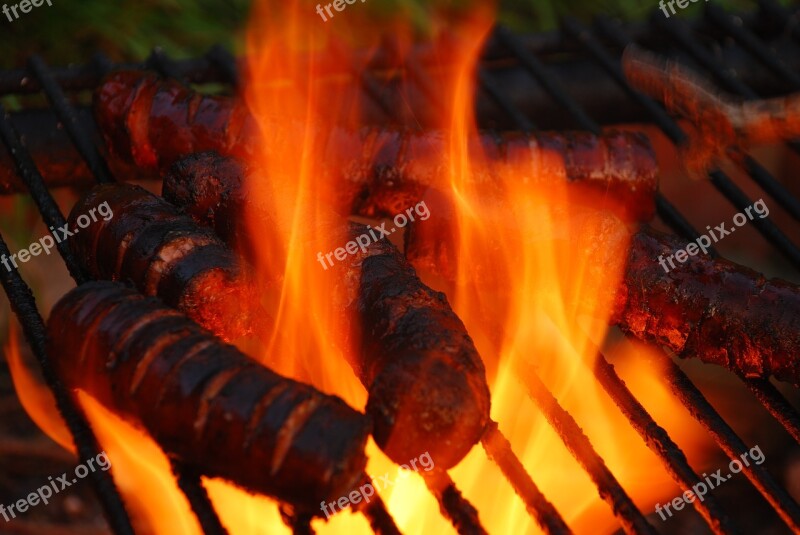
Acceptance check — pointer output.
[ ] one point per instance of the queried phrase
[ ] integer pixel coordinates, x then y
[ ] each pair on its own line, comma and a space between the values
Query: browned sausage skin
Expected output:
711, 309
426, 382
203, 400
164, 253
376, 171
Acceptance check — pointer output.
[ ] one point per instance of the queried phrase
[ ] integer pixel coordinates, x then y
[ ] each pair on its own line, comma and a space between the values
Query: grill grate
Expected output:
599, 46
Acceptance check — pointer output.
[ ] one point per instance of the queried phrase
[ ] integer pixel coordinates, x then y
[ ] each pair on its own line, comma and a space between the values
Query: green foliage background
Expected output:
71, 30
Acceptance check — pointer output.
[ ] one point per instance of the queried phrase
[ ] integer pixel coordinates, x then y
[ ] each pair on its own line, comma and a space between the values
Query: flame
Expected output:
536, 267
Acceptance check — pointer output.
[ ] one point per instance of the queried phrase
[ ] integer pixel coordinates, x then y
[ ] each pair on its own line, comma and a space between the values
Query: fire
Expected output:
536, 269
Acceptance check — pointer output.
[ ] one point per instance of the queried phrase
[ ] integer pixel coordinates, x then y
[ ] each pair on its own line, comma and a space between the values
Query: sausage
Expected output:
164, 253
377, 171
711, 309
426, 381
202, 400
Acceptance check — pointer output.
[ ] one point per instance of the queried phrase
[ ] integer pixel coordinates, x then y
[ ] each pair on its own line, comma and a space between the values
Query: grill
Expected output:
526, 83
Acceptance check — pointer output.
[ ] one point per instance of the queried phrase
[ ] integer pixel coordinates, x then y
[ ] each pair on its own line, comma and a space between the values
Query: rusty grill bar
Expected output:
601, 45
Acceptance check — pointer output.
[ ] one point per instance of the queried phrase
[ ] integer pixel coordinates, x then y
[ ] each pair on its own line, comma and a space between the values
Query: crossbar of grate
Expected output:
24, 306
579, 445
680, 34
731, 444
668, 213
692, 397
719, 180
655, 437
772, 400
763, 390
97, 165
498, 448
379, 518
775, 403
196, 495
188, 479
33, 180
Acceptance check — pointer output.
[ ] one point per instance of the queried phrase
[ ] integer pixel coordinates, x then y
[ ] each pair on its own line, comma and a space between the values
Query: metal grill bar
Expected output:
498, 448
491, 87
549, 82
41, 195
731, 444
52, 216
772, 400
189, 482
733, 27
668, 125
97, 165
659, 441
453, 505
776, 405
379, 518
680, 33
655, 437
581, 448
690, 396
24, 306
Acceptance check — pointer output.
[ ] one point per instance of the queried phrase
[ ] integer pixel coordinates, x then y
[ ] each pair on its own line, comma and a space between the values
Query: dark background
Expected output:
71, 30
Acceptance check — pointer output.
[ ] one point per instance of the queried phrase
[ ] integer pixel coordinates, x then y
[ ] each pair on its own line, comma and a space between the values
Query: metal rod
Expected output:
668, 213
44, 201
720, 180
452, 504
633, 521
680, 33
380, 520
189, 482
96, 163
24, 306
550, 83
660, 443
776, 404
733, 27
498, 448
729, 441
492, 88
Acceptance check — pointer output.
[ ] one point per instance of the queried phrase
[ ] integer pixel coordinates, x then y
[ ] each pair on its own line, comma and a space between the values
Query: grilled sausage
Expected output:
203, 400
711, 309
426, 382
706, 308
154, 122
164, 253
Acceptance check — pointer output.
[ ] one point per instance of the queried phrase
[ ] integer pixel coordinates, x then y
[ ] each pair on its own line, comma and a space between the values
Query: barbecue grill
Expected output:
566, 79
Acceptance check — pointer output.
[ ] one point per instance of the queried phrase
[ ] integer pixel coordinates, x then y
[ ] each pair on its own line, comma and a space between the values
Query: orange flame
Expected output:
536, 271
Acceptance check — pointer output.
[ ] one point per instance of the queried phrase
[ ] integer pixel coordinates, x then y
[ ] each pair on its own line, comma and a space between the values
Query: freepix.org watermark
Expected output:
704, 242
338, 5
366, 491
362, 241
713, 481
46, 243
53, 487
682, 4
25, 6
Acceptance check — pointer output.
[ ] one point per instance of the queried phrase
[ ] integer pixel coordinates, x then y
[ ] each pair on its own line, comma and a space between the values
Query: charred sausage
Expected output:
378, 171
426, 381
165, 253
203, 400
711, 309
